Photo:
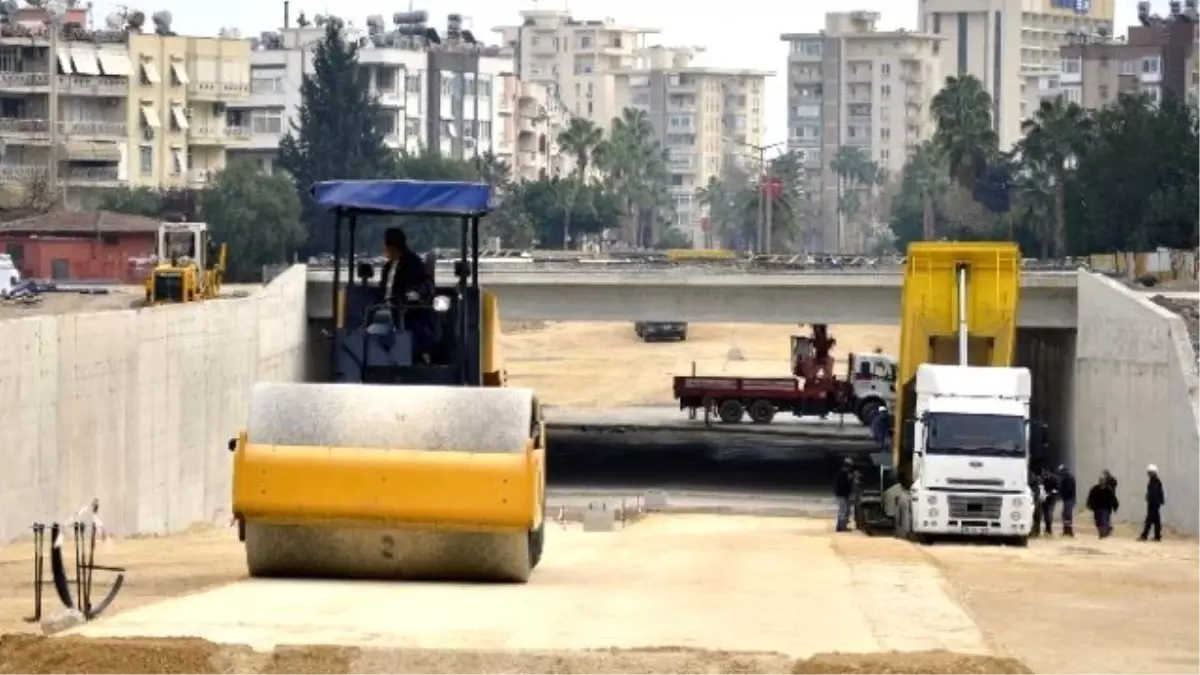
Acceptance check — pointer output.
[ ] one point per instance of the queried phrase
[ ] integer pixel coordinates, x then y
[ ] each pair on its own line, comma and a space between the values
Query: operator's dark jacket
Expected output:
1066, 486
1102, 498
844, 487
412, 276
1155, 497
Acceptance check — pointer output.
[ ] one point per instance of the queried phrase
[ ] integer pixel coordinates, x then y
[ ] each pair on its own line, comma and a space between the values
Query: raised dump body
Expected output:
961, 447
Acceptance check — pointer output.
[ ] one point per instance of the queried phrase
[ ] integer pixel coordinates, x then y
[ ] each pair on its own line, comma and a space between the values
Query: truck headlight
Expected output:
932, 499
933, 513
1016, 515
1017, 502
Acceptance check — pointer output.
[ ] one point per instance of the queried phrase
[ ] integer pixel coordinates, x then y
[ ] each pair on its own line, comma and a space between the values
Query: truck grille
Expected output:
977, 482
975, 507
168, 288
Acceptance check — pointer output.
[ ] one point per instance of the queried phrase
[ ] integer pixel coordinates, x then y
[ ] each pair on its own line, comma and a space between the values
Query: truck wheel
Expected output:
762, 412
731, 411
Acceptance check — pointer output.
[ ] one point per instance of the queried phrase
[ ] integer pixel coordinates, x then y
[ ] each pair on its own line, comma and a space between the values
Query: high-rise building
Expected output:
435, 89
576, 59
857, 86
1009, 43
705, 118
96, 109
530, 122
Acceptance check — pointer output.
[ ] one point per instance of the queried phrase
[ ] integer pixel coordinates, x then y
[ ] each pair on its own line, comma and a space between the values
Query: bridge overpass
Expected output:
713, 295
134, 407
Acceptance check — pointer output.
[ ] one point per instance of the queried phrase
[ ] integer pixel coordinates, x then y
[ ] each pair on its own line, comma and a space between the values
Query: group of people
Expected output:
1051, 488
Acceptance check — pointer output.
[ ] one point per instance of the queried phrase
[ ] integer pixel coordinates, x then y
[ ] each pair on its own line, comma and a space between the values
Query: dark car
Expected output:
661, 330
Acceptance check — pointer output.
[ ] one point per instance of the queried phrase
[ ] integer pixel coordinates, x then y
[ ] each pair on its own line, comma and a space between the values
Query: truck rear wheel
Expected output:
731, 411
762, 411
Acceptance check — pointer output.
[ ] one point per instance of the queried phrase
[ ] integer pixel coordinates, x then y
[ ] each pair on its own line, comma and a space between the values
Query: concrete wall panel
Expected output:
135, 407
1135, 402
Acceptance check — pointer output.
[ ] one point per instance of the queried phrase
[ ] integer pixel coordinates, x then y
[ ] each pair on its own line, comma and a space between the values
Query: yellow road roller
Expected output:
414, 461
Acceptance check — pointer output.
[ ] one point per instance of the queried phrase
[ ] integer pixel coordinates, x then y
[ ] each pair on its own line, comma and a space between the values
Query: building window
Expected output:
483, 84
178, 166
412, 127
1153, 93
680, 121
591, 108
386, 123
1072, 94
1071, 66
807, 47
146, 159
1151, 66
266, 81
885, 69
885, 133
884, 155
485, 129
1104, 92
585, 42
266, 121
412, 83
1128, 67
385, 79
885, 90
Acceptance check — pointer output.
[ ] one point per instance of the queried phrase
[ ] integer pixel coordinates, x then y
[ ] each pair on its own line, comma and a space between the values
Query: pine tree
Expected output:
336, 135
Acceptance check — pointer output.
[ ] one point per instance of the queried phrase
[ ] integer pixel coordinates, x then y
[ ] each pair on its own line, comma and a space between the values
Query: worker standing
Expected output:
843, 489
1049, 499
1155, 498
1036, 489
1102, 502
1066, 493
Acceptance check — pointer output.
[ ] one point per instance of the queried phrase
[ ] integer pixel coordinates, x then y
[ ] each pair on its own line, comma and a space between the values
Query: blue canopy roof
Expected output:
405, 197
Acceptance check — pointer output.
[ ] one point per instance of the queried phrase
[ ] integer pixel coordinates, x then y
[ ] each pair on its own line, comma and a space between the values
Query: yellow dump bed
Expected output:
929, 317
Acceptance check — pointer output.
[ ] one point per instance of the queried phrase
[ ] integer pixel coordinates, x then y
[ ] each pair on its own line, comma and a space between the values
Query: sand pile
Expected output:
36, 654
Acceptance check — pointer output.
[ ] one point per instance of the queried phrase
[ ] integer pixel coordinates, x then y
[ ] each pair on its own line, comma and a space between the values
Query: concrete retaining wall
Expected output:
135, 407
1136, 400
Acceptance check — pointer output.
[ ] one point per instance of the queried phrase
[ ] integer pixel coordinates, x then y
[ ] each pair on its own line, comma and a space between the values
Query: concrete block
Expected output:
654, 500
599, 518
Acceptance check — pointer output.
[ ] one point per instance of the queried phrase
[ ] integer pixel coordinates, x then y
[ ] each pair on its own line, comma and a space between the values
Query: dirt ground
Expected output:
1060, 606
555, 358
118, 297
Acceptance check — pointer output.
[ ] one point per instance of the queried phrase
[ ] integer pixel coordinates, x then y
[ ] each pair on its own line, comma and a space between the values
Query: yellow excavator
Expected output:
190, 266
415, 461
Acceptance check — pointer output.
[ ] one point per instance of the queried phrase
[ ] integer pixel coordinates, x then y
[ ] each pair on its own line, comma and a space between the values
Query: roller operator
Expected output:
407, 286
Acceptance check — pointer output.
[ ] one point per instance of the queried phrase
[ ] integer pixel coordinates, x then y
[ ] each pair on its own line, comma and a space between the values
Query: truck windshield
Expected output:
982, 435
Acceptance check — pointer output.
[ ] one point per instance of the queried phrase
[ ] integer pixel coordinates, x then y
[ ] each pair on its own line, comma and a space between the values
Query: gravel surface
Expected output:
1189, 309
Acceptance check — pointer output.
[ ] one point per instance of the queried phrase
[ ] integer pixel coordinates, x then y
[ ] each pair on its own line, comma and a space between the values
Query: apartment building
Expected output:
577, 60
1008, 44
432, 93
531, 119
111, 108
855, 85
1155, 59
706, 119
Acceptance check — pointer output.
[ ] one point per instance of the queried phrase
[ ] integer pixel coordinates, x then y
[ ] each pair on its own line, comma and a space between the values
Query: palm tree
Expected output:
854, 170
581, 138
635, 168
965, 136
1058, 132
926, 169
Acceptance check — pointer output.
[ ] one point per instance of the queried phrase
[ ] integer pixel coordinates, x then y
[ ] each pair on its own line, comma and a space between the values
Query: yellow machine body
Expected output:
929, 320
190, 266
394, 481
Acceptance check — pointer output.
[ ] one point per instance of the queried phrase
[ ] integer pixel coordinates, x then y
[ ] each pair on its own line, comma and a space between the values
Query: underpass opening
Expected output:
1049, 354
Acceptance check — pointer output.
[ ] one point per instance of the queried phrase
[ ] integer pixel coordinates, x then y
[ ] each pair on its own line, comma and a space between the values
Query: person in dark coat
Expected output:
1155, 498
843, 490
1066, 493
1049, 499
405, 282
1035, 489
1102, 502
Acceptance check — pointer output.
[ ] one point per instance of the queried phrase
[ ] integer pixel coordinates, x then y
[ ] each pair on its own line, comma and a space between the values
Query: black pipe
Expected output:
350, 271
286, 14
463, 324
337, 280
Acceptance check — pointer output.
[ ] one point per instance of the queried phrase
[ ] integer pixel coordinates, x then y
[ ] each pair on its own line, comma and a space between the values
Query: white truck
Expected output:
970, 462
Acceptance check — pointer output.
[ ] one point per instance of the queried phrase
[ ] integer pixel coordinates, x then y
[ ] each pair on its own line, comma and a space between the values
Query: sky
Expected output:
745, 36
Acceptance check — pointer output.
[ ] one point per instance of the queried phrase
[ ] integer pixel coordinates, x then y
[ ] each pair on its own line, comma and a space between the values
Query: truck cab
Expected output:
873, 377
971, 449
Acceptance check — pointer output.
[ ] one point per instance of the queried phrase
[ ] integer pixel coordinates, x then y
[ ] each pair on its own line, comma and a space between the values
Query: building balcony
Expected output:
93, 85
24, 82
106, 130
20, 173
238, 134
199, 178
207, 134
93, 176
27, 129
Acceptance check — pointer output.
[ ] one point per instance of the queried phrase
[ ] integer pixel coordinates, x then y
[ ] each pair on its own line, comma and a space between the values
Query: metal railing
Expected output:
22, 172
24, 125
84, 128
9, 79
103, 174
